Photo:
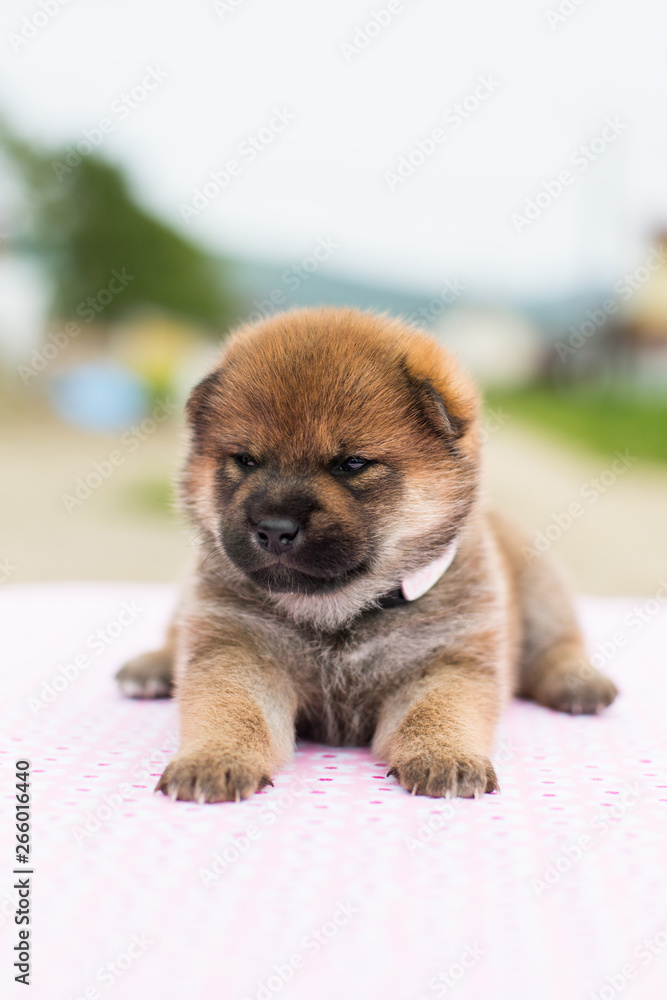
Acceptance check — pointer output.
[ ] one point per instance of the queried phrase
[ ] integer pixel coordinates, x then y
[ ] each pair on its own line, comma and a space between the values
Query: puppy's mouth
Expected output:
285, 580
311, 566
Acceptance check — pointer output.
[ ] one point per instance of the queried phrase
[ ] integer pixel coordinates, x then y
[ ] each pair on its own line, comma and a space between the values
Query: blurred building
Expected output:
644, 327
499, 346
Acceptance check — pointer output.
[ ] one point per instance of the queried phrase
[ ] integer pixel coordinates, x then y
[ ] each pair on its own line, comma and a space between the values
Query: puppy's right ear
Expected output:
201, 403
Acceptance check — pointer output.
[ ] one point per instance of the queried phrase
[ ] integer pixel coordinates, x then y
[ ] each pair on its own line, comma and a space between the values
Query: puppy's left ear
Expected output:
439, 414
444, 395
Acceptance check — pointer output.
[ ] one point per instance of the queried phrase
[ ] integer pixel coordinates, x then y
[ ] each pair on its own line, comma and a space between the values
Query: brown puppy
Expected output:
334, 472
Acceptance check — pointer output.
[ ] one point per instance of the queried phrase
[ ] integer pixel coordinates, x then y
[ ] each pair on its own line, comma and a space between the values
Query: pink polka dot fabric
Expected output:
334, 883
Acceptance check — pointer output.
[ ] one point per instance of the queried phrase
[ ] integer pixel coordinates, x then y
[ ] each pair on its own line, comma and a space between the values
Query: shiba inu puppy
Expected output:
350, 585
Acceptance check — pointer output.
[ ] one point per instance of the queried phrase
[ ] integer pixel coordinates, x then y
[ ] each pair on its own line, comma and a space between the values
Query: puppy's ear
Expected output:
441, 416
445, 397
434, 411
201, 404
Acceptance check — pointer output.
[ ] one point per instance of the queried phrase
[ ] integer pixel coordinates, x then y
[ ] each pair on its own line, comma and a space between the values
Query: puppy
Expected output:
350, 587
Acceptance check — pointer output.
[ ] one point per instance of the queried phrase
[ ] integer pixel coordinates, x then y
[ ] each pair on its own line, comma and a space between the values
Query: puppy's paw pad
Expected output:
212, 778
444, 774
147, 676
583, 693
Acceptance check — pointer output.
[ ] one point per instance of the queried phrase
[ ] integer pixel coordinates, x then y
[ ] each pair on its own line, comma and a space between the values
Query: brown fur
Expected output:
267, 646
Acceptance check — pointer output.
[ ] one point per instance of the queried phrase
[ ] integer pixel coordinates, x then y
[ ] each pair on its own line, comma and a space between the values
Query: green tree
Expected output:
83, 222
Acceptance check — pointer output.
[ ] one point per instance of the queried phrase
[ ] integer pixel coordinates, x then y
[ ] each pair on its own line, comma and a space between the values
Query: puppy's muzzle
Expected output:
276, 534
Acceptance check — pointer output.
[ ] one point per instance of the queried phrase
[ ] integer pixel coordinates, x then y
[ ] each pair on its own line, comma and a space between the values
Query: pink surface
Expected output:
335, 885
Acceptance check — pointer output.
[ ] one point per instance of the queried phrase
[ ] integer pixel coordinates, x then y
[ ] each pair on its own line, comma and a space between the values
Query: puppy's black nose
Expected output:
276, 534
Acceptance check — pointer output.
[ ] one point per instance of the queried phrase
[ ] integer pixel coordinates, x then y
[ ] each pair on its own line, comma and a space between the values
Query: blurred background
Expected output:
494, 174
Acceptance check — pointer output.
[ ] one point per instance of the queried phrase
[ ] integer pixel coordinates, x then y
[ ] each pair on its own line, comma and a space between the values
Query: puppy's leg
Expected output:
436, 733
561, 677
554, 669
237, 723
150, 675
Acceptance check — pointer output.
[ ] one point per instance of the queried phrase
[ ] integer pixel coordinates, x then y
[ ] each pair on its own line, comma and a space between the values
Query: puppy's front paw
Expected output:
584, 692
443, 773
207, 776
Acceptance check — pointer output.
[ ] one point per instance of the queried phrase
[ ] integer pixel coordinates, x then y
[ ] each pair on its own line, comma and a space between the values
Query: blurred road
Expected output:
604, 519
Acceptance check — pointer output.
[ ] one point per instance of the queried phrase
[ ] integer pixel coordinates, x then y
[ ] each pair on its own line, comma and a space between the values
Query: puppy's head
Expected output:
332, 452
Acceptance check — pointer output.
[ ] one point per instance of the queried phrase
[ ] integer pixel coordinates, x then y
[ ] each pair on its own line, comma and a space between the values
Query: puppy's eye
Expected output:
245, 461
352, 464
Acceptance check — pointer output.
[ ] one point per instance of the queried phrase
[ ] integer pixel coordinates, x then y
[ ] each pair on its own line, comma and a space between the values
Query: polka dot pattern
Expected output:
335, 882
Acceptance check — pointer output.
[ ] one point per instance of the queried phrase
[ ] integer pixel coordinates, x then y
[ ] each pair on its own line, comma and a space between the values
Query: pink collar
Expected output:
417, 584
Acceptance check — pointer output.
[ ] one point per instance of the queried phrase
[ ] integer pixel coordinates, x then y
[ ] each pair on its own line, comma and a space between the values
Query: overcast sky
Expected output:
351, 105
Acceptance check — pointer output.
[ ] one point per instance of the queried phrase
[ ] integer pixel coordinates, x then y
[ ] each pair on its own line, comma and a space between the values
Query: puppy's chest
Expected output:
355, 666
345, 678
